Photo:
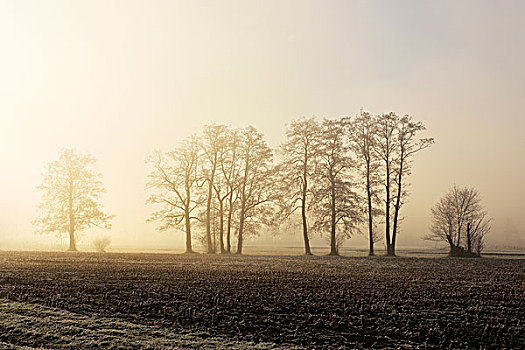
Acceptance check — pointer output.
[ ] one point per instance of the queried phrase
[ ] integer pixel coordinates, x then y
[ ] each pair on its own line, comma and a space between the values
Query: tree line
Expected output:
221, 185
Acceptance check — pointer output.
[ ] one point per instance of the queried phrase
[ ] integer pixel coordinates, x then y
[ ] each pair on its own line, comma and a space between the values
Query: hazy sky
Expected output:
120, 78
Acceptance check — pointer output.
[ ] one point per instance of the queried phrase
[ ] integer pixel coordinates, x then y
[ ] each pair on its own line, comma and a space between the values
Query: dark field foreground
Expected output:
162, 301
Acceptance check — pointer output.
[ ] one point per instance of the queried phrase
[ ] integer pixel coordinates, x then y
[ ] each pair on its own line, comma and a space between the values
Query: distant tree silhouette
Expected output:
396, 144
174, 176
364, 137
385, 150
230, 165
101, 244
213, 144
71, 192
408, 144
337, 204
227, 181
256, 185
222, 193
299, 155
459, 219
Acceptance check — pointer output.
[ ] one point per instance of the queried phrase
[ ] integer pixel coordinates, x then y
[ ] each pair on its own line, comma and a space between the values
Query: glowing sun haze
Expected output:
120, 78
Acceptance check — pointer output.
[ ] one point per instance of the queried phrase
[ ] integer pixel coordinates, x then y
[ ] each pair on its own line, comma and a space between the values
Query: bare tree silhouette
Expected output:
256, 182
213, 143
396, 144
299, 154
337, 207
364, 138
71, 193
175, 178
460, 212
230, 164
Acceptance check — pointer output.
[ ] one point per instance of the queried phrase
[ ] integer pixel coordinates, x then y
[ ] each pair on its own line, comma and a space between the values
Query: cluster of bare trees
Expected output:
333, 175
222, 178
459, 219
338, 174
342, 173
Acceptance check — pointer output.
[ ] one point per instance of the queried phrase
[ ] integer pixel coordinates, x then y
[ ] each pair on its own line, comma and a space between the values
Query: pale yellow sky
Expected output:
120, 78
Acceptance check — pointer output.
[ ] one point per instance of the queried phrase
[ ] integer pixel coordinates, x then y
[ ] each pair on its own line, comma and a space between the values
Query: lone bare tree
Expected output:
101, 244
71, 193
175, 177
337, 207
459, 219
299, 153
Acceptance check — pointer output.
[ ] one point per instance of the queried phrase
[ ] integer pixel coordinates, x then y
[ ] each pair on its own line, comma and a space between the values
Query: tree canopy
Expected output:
71, 193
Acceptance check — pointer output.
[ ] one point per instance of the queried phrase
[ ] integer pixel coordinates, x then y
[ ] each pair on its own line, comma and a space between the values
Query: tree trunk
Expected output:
208, 212
393, 248
450, 243
188, 232
239, 238
307, 249
241, 228
243, 205
229, 226
397, 206
221, 227
333, 243
469, 239
72, 241
187, 216
387, 211
459, 234
214, 235
370, 217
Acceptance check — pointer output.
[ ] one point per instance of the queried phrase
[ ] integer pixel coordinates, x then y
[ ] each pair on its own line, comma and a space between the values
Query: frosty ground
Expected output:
160, 301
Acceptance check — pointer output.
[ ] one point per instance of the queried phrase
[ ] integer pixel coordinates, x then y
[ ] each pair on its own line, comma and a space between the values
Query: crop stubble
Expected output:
291, 301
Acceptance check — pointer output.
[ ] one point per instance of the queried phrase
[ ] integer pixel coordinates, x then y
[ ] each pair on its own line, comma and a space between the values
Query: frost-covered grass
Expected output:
29, 326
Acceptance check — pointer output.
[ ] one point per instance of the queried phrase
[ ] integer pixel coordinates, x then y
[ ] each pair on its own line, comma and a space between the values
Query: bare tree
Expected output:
213, 145
230, 164
395, 145
256, 185
466, 204
460, 210
174, 176
385, 148
101, 244
407, 145
337, 204
479, 227
364, 135
444, 221
221, 195
71, 193
225, 184
299, 153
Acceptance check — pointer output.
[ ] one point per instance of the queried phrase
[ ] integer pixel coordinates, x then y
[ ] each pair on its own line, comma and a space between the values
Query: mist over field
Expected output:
277, 174
119, 79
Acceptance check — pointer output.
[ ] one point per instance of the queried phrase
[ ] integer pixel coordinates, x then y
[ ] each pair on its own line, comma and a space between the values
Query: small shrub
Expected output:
460, 252
101, 244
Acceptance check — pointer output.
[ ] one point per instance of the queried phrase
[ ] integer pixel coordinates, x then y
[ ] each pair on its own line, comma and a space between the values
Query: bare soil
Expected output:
265, 302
